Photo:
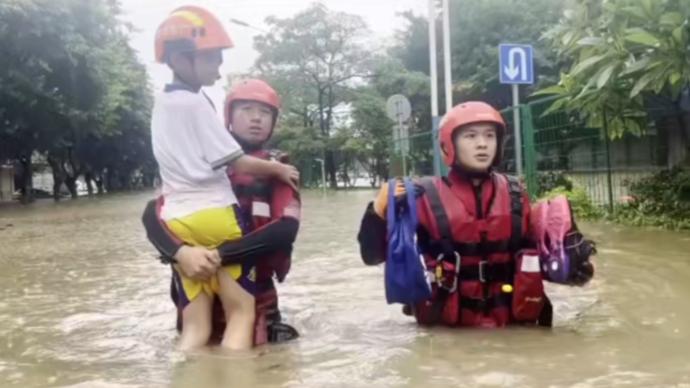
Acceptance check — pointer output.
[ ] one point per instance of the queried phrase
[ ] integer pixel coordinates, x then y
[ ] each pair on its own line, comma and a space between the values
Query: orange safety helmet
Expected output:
469, 112
190, 28
252, 90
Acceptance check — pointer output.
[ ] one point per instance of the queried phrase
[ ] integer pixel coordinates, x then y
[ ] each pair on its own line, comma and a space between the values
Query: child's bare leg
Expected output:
238, 305
196, 323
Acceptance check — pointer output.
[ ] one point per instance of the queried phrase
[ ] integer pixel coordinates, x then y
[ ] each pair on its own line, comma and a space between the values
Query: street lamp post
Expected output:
434, 87
447, 77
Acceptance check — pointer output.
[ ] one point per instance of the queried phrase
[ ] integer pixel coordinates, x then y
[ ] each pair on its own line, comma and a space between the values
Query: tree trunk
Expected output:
346, 179
71, 183
109, 180
305, 116
322, 121
119, 181
685, 132
330, 169
72, 174
148, 180
383, 171
58, 177
27, 180
372, 178
88, 177
99, 184
677, 141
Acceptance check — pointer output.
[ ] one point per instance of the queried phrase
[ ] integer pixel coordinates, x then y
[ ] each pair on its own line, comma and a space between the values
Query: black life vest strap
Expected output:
516, 212
434, 248
440, 216
493, 272
490, 303
259, 188
446, 242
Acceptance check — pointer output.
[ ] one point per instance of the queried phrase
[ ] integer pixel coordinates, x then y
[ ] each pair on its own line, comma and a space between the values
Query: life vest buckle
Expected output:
443, 272
482, 271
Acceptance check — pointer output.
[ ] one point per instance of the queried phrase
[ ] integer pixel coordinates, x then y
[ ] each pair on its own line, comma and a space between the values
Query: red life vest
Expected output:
471, 239
253, 194
262, 201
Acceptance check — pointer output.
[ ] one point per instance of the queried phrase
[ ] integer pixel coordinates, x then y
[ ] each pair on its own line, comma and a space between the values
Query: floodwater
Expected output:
85, 304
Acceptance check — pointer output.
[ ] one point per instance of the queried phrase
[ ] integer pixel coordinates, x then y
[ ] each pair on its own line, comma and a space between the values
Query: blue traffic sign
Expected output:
516, 63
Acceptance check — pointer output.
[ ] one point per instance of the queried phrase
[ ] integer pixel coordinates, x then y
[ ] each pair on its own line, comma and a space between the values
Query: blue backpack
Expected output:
404, 274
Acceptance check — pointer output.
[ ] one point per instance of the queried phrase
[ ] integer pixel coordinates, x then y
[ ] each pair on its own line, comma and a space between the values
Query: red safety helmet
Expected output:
190, 28
251, 90
470, 112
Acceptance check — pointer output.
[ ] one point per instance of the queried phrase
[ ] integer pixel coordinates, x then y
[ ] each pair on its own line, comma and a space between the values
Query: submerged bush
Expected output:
661, 200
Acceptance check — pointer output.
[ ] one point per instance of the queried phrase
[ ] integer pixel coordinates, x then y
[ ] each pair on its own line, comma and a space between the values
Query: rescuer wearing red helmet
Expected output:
472, 231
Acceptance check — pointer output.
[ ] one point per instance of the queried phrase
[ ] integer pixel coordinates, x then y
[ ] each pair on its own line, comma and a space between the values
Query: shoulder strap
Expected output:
515, 210
438, 212
443, 225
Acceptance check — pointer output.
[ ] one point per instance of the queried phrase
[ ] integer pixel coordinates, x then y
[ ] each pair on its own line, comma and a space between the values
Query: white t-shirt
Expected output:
192, 147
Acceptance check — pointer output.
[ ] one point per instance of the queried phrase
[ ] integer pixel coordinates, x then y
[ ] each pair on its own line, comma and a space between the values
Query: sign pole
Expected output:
403, 151
516, 66
518, 131
398, 109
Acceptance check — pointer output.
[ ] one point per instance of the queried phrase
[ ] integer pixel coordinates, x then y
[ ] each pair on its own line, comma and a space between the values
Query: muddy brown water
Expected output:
85, 304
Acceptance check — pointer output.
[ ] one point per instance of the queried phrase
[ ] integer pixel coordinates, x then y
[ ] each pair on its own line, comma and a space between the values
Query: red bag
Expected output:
528, 292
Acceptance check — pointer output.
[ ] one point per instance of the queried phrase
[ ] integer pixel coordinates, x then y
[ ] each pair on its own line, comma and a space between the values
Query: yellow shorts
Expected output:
207, 228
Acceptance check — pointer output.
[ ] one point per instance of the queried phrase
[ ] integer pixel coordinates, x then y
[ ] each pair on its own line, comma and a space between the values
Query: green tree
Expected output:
621, 53
315, 57
71, 84
303, 144
373, 128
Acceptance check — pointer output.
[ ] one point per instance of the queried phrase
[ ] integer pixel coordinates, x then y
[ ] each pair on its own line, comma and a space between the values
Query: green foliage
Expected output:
582, 205
320, 62
619, 50
72, 88
477, 28
335, 92
314, 59
373, 129
370, 121
304, 145
661, 200
551, 180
